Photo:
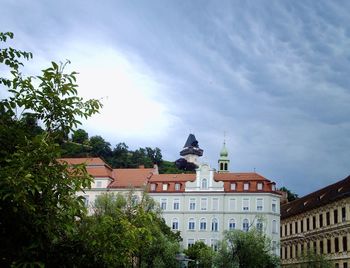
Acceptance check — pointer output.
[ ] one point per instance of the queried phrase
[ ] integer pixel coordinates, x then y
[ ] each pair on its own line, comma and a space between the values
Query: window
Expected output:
321, 247
259, 225
215, 204
335, 216
98, 184
328, 218
245, 206
296, 227
175, 224
345, 265
214, 225
259, 204
191, 224
345, 243
153, 187
246, 186
259, 186
165, 187
274, 247
163, 202
203, 224
274, 227
321, 220
176, 204
233, 186
314, 222
302, 226
86, 200
285, 230
177, 186
135, 199
214, 244
232, 204
307, 224
192, 204
231, 224
204, 202
343, 214
274, 205
336, 244
204, 184
245, 225
190, 242
273, 187
328, 246
290, 228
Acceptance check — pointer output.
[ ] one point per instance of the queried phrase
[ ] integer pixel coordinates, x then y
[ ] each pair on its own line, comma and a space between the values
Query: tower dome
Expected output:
223, 160
224, 152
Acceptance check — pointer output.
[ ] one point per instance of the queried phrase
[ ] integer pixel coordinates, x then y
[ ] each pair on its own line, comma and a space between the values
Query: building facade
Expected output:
200, 205
318, 223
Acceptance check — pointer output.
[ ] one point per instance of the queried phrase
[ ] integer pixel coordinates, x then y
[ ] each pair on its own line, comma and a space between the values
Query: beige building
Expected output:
318, 223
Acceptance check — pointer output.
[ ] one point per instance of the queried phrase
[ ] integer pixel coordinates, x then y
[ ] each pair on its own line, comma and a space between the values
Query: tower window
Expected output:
225, 166
221, 166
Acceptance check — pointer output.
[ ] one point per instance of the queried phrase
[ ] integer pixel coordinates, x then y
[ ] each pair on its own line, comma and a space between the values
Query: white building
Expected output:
201, 205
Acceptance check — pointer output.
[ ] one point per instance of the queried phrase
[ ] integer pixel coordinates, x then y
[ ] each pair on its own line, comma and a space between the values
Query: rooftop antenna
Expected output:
254, 170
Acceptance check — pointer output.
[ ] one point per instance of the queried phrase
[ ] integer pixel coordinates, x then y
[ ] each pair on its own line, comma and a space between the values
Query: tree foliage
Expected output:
290, 195
127, 231
38, 206
201, 255
245, 250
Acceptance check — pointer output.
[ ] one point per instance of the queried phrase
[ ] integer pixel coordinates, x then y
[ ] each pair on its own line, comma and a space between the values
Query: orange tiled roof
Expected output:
173, 177
95, 166
131, 177
246, 176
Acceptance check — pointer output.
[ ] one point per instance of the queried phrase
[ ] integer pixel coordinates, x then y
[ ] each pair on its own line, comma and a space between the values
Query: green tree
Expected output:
312, 260
201, 254
128, 220
238, 247
100, 147
290, 195
38, 205
80, 136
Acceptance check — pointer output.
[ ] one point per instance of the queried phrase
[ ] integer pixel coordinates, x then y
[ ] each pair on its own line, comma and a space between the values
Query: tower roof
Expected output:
191, 147
224, 152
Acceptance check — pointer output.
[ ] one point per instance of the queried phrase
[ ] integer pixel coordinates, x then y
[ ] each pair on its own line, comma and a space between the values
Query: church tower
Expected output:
223, 160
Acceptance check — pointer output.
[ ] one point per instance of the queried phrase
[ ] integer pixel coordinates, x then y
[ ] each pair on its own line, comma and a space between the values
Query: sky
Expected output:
270, 77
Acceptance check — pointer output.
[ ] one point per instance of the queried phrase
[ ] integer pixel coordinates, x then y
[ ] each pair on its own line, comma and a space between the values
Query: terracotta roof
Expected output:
130, 177
173, 177
247, 176
326, 195
94, 165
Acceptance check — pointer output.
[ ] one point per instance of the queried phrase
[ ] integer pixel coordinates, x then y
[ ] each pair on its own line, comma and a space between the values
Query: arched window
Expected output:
204, 184
225, 166
259, 225
221, 166
214, 225
232, 224
191, 224
246, 225
203, 224
175, 224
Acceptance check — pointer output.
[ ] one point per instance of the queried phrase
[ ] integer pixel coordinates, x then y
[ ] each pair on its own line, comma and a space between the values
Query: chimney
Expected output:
155, 169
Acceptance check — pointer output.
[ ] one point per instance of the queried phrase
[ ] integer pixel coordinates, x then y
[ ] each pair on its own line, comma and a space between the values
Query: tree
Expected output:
238, 247
100, 147
127, 231
201, 254
80, 136
290, 195
38, 206
312, 260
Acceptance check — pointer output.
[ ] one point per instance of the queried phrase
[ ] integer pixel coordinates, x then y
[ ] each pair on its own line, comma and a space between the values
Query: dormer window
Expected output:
233, 186
165, 187
273, 187
177, 186
246, 186
259, 186
153, 187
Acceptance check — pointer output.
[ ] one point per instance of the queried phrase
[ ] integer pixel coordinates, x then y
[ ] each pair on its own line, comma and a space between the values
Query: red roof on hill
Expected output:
244, 176
131, 177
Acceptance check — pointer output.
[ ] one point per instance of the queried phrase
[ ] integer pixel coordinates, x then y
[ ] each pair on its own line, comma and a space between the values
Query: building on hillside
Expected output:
319, 223
200, 205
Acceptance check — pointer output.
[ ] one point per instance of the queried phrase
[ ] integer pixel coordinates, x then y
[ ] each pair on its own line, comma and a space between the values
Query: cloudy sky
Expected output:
273, 75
